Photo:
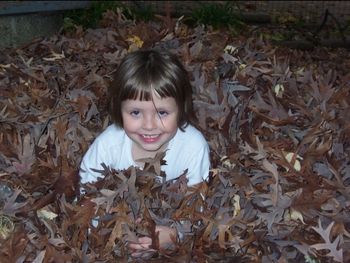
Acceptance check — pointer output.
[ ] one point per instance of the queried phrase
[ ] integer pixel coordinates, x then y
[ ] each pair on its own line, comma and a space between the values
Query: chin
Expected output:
151, 148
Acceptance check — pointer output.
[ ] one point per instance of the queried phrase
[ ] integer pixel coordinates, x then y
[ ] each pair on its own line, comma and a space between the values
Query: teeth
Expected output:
149, 136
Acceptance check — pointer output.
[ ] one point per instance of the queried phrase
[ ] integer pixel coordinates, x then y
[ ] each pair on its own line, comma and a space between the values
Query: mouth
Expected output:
150, 138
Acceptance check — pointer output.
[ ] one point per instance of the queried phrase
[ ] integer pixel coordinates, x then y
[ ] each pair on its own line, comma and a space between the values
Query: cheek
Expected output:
129, 124
171, 124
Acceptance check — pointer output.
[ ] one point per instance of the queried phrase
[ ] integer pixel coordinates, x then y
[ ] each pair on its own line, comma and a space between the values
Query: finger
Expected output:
142, 243
139, 246
145, 240
144, 254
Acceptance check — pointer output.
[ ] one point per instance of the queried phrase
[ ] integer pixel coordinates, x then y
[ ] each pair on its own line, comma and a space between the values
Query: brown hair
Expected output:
144, 71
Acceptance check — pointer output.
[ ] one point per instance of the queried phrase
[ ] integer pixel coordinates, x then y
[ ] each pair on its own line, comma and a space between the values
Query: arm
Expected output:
100, 152
198, 166
92, 159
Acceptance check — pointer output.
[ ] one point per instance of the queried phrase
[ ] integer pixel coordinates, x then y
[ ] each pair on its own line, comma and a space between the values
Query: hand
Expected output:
142, 248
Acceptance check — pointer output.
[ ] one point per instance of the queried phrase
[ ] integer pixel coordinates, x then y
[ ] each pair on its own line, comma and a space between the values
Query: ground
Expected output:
276, 120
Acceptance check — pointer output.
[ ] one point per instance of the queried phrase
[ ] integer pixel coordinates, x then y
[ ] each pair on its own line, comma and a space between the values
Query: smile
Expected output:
150, 138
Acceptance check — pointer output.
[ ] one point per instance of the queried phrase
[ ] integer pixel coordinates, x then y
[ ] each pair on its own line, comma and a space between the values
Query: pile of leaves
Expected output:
277, 122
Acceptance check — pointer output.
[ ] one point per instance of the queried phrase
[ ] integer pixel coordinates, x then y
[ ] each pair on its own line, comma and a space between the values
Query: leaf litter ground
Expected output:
277, 121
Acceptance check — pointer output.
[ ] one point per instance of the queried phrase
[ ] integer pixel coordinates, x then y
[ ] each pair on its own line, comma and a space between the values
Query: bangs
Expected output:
143, 91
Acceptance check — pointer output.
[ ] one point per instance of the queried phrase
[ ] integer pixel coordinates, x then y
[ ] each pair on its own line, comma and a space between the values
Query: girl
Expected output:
151, 107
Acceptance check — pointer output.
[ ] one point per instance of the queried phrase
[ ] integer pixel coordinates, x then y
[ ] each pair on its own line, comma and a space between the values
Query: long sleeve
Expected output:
188, 150
93, 159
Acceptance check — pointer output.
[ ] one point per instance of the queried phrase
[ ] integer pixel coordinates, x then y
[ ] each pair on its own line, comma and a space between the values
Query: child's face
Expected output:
150, 124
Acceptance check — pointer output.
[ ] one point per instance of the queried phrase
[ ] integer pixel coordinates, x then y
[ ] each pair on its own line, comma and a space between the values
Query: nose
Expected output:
150, 122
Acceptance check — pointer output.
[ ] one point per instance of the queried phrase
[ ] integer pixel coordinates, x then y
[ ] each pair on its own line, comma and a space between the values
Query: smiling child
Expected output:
151, 109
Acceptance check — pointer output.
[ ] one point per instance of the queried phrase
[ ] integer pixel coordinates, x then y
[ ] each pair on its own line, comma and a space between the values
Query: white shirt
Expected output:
187, 150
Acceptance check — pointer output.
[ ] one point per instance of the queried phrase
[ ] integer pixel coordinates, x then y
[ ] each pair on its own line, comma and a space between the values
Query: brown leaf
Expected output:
11, 207
335, 253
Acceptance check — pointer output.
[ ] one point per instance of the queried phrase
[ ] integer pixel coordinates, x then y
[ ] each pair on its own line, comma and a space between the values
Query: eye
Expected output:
162, 113
135, 113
